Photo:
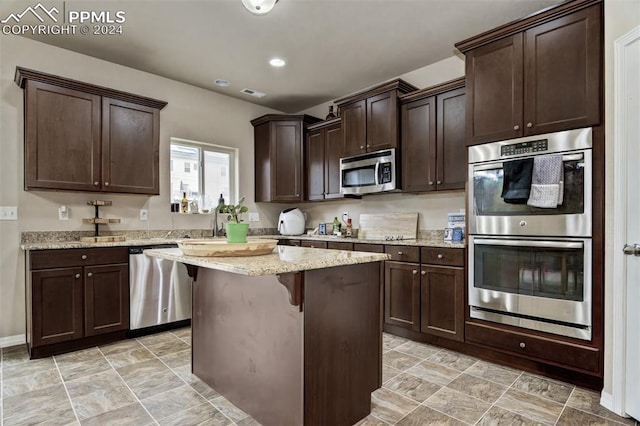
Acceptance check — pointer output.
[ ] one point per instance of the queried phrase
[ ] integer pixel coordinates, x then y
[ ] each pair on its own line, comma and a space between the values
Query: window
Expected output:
207, 171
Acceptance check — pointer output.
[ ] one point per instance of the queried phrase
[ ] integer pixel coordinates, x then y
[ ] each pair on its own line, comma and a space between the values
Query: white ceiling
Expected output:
332, 47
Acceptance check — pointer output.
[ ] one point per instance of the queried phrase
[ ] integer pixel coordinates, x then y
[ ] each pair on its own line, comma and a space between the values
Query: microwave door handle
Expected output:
376, 171
524, 243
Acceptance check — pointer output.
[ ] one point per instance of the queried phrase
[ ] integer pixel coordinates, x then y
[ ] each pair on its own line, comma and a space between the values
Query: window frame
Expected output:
232, 171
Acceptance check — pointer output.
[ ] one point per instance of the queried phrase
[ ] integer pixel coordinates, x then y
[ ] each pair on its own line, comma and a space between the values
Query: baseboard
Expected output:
19, 339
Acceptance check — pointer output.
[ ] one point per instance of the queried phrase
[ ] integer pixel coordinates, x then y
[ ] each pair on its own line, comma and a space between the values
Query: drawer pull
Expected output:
423, 272
77, 275
361, 146
106, 184
415, 272
523, 345
400, 253
90, 274
440, 256
516, 127
96, 183
529, 125
430, 182
83, 257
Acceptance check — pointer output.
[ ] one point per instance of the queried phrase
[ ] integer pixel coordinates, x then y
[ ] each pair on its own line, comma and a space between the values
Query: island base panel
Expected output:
247, 344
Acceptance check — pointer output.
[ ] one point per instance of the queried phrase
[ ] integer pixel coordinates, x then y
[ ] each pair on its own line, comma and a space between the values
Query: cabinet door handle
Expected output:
96, 183
106, 184
83, 257
400, 253
361, 146
523, 345
430, 182
440, 256
529, 124
77, 275
423, 272
415, 272
516, 127
439, 182
90, 274
368, 146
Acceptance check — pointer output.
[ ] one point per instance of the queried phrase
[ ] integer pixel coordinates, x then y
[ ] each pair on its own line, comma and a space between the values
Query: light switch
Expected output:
63, 213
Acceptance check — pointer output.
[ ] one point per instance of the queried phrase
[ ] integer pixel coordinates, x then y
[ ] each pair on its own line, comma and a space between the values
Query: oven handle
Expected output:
498, 164
528, 243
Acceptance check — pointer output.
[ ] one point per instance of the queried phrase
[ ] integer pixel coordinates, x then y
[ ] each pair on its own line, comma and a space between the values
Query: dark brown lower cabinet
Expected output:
76, 298
402, 294
442, 301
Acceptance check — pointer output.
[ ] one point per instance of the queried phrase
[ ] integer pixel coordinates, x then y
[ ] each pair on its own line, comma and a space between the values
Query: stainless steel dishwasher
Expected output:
160, 291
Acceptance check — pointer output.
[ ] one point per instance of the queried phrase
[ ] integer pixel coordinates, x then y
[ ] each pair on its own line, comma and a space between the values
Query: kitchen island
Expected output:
293, 337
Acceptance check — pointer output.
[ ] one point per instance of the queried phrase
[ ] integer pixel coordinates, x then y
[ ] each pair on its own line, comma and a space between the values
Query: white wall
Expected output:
432, 208
621, 16
191, 113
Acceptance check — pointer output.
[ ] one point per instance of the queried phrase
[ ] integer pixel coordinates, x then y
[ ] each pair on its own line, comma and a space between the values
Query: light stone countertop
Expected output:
52, 245
423, 242
284, 259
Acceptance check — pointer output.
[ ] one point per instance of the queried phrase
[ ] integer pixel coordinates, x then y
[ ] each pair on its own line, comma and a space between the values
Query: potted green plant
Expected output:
236, 230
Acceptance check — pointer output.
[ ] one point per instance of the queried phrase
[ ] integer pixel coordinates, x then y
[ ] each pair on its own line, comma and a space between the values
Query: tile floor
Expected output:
148, 381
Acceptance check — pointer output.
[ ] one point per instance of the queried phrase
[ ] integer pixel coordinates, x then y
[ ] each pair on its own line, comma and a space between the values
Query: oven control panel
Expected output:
524, 147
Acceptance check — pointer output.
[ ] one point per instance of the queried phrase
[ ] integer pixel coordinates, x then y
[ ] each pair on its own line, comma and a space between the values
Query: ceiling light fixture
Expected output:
222, 83
259, 7
277, 62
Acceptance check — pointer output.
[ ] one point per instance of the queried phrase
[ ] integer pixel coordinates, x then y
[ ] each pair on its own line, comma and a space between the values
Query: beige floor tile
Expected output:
153, 384
389, 341
589, 401
154, 339
389, 372
182, 332
418, 350
422, 416
453, 360
434, 373
497, 416
52, 399
178, 359
545, 388
389, 406
531, 406
399, 360
132, 414
495, 373
198, 385
91, 354
98, 393
119, 347
35, 381
57, 414
412, 387
170, 347
572, 417
14, 355
75, 370
478, 388
371, 420
458, 405
170, 402
29, 368
203, 414
134, 356
227, 408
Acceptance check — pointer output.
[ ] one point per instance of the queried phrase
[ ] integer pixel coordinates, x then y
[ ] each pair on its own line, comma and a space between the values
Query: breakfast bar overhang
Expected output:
293, 337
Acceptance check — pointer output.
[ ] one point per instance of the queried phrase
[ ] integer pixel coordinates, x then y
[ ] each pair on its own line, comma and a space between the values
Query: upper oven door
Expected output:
368, 173
491, 215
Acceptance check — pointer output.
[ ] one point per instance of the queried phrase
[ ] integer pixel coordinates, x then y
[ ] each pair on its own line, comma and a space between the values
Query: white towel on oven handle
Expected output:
547, 186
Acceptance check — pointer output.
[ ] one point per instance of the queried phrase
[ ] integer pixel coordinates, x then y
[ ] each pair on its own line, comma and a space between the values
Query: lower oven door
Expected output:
534, 283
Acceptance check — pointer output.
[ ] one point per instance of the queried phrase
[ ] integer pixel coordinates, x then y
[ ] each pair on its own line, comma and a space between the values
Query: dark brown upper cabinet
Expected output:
433, 138
323, 149
370, 119
538, 75
82, 137
278, 142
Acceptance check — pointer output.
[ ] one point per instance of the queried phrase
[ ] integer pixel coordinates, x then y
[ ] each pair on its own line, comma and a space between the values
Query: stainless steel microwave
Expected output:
368, 173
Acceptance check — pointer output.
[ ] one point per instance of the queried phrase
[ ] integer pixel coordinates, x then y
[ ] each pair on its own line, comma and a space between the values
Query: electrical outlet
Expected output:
9, 213
254, 217
144, 214
63, 213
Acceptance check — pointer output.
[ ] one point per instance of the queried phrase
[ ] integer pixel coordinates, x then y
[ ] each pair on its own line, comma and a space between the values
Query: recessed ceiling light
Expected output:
277, 62
221, 83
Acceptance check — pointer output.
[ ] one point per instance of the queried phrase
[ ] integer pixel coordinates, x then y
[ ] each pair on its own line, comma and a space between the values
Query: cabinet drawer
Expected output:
288, 242
314, 244
339, 245
568, 354
372, 248
442, 256
403, 253
47, 259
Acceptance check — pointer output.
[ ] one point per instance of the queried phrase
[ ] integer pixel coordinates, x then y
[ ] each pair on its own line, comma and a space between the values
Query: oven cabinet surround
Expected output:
279, 156
82, 137
371, 119
425, 297
287, 344
433, 138
323, 149
538, 75
76, 298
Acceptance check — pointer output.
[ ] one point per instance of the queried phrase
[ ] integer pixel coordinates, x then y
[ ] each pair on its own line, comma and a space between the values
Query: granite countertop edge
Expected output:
284, 259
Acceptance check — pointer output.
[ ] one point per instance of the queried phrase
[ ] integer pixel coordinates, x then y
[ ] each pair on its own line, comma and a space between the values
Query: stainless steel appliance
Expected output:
369, 173
531, 267
160, 290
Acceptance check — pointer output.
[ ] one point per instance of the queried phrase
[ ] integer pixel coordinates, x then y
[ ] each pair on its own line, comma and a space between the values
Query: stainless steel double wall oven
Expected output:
530, 266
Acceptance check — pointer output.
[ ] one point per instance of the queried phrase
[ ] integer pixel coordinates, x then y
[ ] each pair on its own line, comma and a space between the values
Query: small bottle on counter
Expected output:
336, 226
184, 203
349, 228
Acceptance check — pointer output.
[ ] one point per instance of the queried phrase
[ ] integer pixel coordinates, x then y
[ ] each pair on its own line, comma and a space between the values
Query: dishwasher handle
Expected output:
140, 249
